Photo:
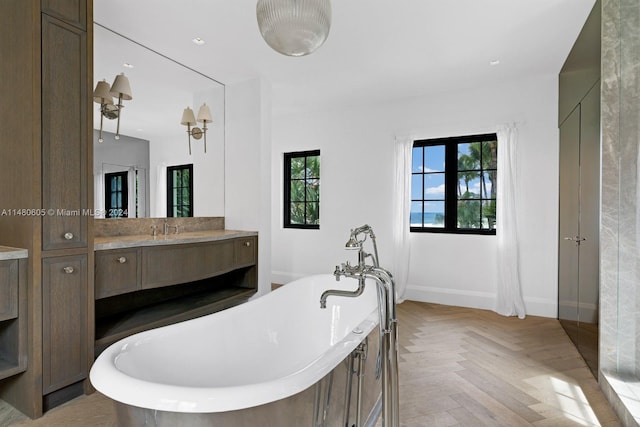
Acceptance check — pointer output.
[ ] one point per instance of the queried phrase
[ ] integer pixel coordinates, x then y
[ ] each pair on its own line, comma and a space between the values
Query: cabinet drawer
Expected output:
246, 250
8, 289
117, 272
174, 264
64, 321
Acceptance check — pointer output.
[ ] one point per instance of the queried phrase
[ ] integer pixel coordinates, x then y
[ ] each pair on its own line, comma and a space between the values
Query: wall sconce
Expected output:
189, 120
103, 94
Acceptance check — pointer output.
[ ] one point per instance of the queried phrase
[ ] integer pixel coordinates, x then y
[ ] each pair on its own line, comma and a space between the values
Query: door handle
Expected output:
576, 239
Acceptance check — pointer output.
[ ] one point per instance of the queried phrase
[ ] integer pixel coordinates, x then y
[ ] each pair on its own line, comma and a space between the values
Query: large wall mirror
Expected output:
134, 167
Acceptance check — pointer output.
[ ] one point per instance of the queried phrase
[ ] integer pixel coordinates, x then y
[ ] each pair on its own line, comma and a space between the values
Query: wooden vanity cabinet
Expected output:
151, 286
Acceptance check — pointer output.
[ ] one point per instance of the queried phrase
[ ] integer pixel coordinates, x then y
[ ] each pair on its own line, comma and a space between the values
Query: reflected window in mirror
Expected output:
116, 195
180, 191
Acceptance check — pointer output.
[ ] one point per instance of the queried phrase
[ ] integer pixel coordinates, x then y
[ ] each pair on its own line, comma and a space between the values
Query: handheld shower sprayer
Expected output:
354, 243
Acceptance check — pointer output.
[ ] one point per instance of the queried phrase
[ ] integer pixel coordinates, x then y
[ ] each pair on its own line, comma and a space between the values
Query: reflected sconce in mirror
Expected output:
103, 94
189, 120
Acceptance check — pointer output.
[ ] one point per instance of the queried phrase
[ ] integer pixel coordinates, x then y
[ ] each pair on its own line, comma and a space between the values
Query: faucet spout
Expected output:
341, 293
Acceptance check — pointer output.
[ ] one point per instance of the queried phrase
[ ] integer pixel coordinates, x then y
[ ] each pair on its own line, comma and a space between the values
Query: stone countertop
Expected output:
7, 252
119, 242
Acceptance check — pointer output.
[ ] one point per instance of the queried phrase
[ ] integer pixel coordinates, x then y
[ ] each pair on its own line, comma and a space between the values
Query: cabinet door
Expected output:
72, 11
246, 251
117, 272
64, 321
64, 135
568, 279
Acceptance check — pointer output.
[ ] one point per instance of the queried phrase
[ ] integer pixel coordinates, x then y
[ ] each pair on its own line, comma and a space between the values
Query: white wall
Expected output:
357, 187
248, 167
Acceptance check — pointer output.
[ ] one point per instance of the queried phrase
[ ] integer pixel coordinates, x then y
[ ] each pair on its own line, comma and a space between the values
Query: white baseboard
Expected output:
474, 299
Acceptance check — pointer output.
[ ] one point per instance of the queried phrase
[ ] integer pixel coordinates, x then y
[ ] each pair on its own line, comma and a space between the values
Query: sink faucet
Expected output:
167, 227
386, 312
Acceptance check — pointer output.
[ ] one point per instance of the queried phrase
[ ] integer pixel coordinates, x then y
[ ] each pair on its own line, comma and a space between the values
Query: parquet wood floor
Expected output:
466, 367
458, 367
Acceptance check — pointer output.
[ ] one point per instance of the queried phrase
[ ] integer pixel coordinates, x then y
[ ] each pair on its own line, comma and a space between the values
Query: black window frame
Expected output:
451, 183
170, 187
287, 190
112, 211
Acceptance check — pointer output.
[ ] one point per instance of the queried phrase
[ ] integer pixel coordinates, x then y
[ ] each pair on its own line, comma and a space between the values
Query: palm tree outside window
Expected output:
302, 189
454, 185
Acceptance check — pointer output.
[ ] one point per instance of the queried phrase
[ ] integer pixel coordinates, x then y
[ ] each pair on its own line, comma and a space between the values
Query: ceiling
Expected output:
377, 50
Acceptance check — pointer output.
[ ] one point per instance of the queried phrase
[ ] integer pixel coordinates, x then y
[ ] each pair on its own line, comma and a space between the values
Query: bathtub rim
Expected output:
119, 386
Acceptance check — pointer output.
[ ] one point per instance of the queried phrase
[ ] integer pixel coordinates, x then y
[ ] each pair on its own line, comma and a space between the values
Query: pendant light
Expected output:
294, 27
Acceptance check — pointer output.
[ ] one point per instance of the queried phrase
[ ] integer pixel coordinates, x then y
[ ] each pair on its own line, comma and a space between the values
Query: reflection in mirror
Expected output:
129, 196
151, 136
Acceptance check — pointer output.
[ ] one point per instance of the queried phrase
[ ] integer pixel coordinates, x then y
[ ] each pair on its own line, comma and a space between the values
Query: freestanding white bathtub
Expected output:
277, 356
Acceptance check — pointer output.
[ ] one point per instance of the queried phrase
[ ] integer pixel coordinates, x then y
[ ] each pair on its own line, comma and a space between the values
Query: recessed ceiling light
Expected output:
198, 41
494, 62
127, 65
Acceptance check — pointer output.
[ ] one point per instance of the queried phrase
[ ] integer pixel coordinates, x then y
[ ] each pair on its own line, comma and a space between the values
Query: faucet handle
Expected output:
337, 272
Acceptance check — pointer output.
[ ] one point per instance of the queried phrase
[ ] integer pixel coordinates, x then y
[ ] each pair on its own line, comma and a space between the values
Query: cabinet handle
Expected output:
68, 270
121, 260
247, 244
68, 235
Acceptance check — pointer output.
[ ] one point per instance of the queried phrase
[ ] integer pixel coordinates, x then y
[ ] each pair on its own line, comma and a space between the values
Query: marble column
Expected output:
620, 211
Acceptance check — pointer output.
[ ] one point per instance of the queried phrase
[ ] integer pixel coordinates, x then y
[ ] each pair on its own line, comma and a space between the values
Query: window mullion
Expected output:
451, 179
304, 189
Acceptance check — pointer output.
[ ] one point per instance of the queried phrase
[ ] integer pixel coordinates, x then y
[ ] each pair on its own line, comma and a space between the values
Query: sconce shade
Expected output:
121, 87
188, 118
294, 27
204, 114
102, 94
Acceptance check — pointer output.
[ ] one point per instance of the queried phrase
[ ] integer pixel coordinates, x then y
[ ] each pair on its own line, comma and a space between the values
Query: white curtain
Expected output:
98, 195
161, 191
401, 215
141, 184
131, 191
509, 293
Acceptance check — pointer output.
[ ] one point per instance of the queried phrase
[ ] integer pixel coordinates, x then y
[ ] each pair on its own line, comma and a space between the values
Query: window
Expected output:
302, 189
116, 195
453, 185
180, 191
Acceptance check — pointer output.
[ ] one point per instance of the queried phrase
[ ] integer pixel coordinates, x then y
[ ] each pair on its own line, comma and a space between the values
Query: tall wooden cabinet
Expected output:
45, 134
578, 246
